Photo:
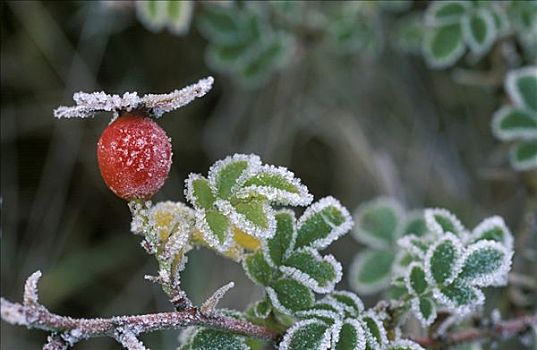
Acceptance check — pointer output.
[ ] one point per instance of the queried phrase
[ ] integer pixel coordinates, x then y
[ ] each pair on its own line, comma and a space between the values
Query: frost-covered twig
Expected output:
504, 329
210, 304
67, 330
87, 104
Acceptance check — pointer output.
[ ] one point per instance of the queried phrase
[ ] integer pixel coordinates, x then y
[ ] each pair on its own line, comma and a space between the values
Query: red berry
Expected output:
134, 156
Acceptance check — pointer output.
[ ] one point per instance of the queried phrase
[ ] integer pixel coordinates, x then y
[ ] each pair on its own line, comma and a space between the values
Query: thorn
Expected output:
30, 297
209, 305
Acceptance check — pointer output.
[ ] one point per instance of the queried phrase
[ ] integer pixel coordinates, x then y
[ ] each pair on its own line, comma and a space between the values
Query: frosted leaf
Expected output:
443, 260
31, 297
376, 335
378, 222
485, 263
348, 335
210, 304
414, 223
414, 245
253, 216
479, 30
521, 85
207, 338
459, 297
290, 296
445, 12
261, 309
510, 124
403, 344
278, 185
307, 334
370, 272
415, 279
493, 229
258, 269
87, 104
441, 221
322, 223
329, 304
278, 247
424, 309
221, 240
199, 192
349, 301
327, 316
228, 174
313, 270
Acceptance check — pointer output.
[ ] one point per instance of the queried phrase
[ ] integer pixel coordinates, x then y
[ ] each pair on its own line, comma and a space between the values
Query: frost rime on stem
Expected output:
87, 104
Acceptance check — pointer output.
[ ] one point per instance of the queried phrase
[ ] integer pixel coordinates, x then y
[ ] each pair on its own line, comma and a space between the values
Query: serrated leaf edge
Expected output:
458, 259
287, 338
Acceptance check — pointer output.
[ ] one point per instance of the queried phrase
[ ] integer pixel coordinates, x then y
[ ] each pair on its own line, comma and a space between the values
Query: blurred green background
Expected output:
354, 125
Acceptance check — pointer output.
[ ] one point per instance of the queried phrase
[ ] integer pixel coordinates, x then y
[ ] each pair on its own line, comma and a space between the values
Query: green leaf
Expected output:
322, 223
442, 260
441, 221
221, 24
459, 296
493, 229
282, 243
479, 30
179, 15
424, 309
258, 269
375, 333
199, 192
278, 185
443, 46
216, 230
252, 215
403, 344
289, 295
378, 222
446, 12
350, 302
524, 155
152, 14
212, 339
371, 271
306, 335
225, 173
269, 56
262, 309
350, 336
414, 224
416, 279
309, 267
485, 263
521, 85
510, 123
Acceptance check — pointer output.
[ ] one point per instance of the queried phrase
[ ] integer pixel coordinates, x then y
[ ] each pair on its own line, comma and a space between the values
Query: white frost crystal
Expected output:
87, 104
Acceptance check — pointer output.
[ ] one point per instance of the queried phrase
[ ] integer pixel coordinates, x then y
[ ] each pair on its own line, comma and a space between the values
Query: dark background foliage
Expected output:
353, 126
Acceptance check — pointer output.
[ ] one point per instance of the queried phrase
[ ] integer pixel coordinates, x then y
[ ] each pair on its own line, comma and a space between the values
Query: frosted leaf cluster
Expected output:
517, 123
340, 321
233, 204
380, 223
289, 264
447, 267
87, 104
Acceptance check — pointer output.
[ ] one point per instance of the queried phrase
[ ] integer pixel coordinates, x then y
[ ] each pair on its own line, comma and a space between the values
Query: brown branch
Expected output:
39, 317
498, 330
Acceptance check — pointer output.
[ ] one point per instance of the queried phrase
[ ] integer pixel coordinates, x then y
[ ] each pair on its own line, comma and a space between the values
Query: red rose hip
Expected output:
134, 155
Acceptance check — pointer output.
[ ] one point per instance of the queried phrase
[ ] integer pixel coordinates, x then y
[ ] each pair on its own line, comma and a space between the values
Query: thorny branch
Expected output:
495, 331
67, 331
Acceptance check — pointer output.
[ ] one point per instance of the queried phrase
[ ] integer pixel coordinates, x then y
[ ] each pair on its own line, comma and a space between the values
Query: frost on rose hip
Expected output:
134, 155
